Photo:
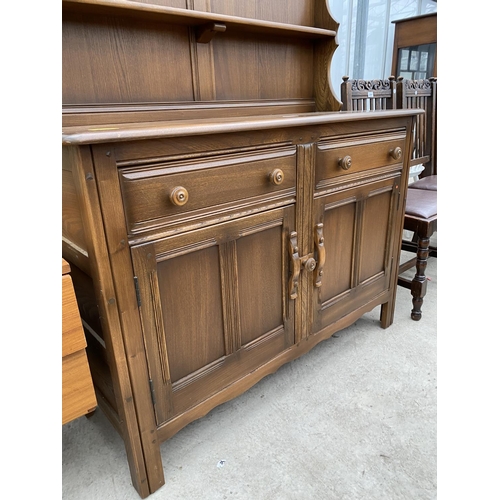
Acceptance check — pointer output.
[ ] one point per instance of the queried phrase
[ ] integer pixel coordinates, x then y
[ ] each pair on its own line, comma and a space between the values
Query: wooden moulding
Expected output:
95, 114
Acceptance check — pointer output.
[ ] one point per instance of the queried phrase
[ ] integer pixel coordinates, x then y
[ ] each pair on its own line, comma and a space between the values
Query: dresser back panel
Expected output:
149, 62
301, 13
138, 61
256, 67
178, 4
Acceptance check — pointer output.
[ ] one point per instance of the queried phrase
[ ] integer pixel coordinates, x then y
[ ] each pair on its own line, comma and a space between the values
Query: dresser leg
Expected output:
388, 308
387, 312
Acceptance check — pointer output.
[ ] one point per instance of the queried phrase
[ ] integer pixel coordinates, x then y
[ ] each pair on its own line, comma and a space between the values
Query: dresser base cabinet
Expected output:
208, 253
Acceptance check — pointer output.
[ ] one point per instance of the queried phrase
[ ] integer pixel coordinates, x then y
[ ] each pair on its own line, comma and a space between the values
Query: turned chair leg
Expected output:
419, 283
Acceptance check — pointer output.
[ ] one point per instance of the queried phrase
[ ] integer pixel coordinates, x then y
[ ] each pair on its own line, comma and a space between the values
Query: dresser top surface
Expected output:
182, 128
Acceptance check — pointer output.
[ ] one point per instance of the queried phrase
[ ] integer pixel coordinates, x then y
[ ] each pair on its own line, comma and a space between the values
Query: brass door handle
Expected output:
179, 196
345, 163
319, 243
277, 176
396, 153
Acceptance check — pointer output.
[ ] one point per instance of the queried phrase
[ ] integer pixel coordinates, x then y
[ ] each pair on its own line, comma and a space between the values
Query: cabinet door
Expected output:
354, 235
214, 306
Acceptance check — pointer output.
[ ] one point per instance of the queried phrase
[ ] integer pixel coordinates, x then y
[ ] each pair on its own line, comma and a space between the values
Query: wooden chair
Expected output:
421, 205
422, 94
421, 218
429, 183
411, 94
368, 95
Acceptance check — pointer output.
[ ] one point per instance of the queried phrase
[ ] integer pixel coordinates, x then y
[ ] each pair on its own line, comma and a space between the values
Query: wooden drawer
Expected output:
205, 186
78, 396
336, 158
73, 338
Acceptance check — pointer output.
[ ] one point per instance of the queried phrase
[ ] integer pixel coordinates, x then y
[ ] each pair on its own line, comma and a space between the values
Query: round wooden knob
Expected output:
277, 176
345, 162
396, 153
310, 264
179, 196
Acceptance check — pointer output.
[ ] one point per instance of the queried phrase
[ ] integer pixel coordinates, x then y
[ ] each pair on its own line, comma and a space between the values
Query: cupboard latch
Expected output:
306, 262
319, 243
152, 390
137, 291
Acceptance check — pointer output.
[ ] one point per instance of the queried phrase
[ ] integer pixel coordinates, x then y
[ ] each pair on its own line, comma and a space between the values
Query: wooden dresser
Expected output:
221, 215
78, 396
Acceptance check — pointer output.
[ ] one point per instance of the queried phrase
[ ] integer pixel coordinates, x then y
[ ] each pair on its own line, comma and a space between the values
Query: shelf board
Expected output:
193, 18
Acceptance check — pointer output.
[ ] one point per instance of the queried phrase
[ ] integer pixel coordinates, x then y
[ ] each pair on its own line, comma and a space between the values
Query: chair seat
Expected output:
429, 183
421, 203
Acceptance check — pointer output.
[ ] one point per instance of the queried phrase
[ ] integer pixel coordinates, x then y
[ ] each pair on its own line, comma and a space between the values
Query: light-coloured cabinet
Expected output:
78, 396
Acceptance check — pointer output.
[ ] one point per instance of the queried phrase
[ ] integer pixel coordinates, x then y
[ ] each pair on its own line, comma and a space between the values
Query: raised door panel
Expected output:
339, 225
260, 281
213, 306
357, 236
374, 237
189, 291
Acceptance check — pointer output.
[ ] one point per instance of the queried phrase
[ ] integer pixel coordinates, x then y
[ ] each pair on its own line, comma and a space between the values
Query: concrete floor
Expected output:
355, 418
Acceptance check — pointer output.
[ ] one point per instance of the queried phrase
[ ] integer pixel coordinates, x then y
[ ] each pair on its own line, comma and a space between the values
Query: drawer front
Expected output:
73, 338
78, 395
337, 158
194, 188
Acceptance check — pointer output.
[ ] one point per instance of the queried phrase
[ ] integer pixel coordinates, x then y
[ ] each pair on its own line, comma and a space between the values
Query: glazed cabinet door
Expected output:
214, 306
354, 241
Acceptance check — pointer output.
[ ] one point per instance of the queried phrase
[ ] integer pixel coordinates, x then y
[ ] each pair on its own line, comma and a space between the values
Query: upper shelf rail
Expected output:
193, 17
